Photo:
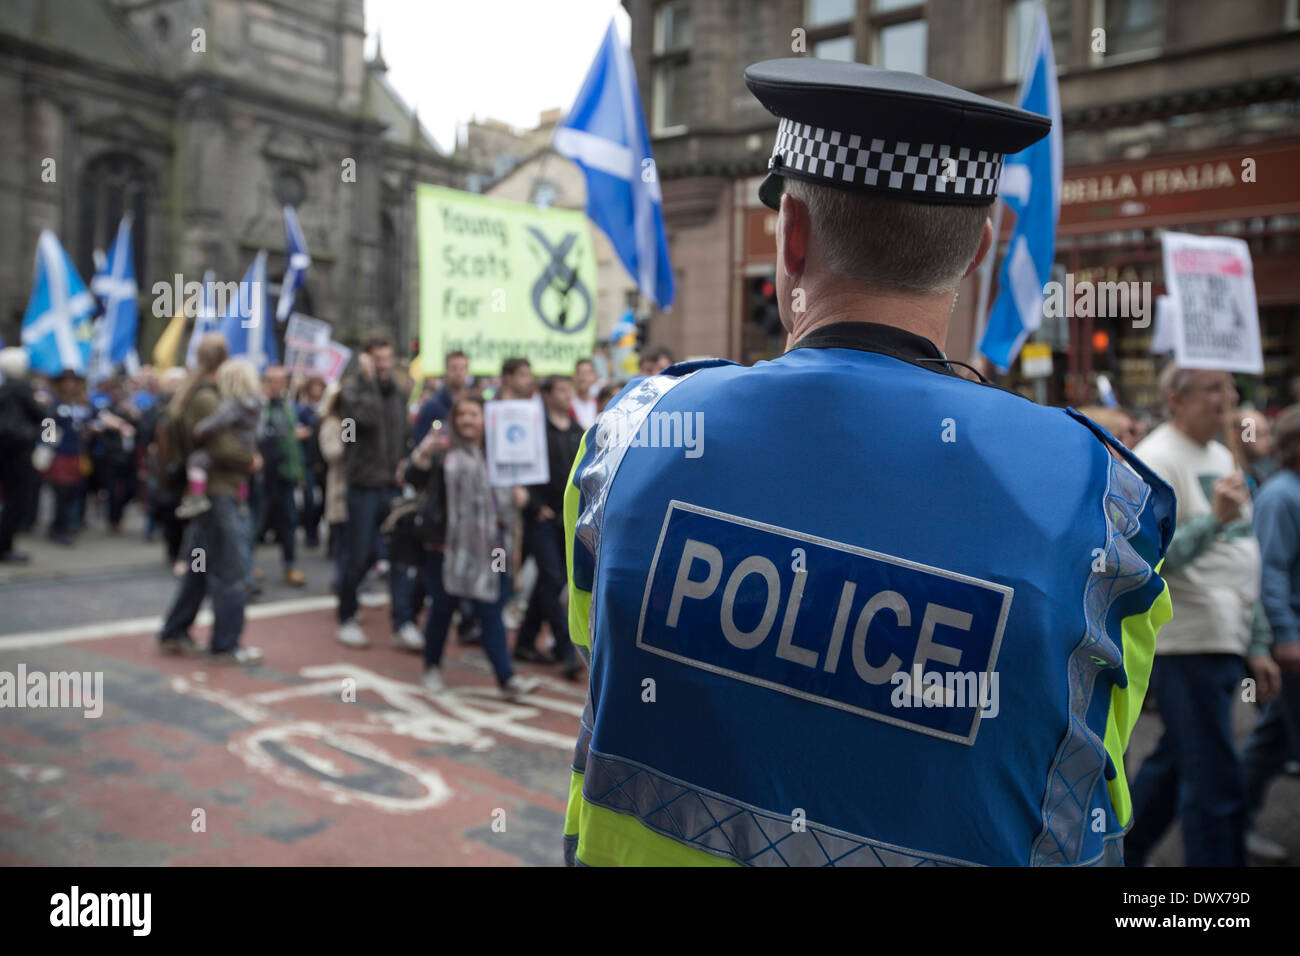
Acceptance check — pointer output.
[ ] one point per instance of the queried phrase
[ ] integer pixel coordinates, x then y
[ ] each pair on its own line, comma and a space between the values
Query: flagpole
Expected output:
986, 267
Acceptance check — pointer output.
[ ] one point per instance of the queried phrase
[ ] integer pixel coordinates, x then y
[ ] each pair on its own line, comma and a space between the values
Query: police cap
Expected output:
865, 129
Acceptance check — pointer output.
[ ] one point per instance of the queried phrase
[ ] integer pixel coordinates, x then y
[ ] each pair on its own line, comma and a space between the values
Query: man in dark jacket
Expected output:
20, 427
375, 426
544, 532
455, 381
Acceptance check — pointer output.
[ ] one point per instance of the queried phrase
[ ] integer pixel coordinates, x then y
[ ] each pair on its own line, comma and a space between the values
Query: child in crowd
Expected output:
240, 410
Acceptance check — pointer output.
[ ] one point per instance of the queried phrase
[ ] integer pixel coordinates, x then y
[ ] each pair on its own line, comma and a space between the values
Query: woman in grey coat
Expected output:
467, 526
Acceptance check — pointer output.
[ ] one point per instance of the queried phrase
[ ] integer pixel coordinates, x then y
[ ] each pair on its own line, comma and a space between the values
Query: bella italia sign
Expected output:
501, 279
1162, 181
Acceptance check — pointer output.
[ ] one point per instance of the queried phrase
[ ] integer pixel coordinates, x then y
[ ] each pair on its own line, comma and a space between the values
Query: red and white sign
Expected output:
331, 361
1215, 320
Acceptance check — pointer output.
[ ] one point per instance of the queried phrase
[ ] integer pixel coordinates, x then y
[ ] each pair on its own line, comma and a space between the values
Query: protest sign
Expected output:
1211, 282
502, 279
516, 443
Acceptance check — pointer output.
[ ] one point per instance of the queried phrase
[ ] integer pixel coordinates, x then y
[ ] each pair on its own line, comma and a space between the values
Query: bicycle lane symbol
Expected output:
340, 761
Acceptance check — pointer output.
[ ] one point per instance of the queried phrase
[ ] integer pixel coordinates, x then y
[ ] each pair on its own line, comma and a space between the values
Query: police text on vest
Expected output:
722, 596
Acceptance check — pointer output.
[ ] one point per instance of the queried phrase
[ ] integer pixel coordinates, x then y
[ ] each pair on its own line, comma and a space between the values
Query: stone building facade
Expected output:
1178, 86
203, 117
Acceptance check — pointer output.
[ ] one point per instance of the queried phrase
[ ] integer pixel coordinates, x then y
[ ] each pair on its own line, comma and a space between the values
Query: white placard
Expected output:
304, 339
1212, 283
1166, 328
516, 443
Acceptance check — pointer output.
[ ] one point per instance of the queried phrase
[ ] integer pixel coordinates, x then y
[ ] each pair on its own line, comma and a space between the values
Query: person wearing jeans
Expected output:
1276, 738
1182, 777
217, 571
1212, 569
466, 527
544, 533
437, 624
373, 413
367, 509
215, 546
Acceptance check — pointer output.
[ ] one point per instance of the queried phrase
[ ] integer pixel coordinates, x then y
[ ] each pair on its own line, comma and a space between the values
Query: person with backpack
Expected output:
20, 427
216, 541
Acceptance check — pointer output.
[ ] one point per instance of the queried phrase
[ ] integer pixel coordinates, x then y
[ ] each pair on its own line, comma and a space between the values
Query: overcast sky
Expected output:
507, 59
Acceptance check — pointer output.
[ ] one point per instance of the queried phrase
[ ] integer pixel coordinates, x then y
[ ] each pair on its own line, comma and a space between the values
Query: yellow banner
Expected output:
502, 279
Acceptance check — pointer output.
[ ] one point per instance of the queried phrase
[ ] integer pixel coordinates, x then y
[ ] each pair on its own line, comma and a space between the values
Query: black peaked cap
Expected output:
863, 128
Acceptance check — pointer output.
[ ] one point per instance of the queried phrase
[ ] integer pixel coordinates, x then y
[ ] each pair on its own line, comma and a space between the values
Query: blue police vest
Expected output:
847, 610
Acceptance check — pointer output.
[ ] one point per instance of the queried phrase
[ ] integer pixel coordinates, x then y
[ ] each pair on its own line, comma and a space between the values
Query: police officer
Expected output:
914, 623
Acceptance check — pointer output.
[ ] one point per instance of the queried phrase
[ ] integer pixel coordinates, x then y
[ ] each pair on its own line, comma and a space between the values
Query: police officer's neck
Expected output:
923, 315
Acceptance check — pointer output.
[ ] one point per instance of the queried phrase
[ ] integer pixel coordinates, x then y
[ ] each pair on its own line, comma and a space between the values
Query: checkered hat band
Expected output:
853, 161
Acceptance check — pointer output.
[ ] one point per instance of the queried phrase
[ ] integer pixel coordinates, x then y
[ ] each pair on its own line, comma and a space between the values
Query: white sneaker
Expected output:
517, 686
433, 681
1264, 849
513, 616
408, 637
350, 633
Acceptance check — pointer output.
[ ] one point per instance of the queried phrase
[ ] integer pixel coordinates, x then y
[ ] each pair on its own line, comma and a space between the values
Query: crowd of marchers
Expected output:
385, 473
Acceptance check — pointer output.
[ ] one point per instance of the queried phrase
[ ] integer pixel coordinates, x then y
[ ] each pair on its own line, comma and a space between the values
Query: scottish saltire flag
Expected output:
297, 262
56, 326
605, 134
246, 326
1031, 186
114, 285
206, 318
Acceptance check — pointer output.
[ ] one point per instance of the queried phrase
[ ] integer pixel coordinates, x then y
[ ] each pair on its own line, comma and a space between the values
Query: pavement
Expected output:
321, 756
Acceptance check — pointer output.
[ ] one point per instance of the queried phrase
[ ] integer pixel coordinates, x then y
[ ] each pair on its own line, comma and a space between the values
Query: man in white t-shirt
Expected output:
585, 386
1213, 572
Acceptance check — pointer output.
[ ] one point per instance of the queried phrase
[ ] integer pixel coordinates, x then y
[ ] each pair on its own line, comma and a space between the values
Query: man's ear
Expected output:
792, 228
986, 242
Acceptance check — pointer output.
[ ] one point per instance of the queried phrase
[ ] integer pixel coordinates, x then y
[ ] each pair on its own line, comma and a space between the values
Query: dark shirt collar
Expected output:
888, 340
874, 337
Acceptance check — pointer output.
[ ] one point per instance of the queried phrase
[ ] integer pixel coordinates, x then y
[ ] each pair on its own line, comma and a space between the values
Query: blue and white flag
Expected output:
115, 287
245, 325
1031, 186
56, 326
297, 262
206, 318
605, 134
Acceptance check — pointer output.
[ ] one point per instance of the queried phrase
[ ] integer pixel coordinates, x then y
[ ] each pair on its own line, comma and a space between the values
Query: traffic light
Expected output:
761, 306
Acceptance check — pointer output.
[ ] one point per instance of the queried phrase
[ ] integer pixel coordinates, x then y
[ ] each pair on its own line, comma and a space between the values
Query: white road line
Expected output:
150, 625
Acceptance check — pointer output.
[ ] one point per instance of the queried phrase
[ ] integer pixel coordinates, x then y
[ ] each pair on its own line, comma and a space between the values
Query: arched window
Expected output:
113, 184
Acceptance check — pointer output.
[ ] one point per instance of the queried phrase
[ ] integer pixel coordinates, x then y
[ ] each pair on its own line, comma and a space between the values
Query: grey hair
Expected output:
888, 243
1174, 380
14, 363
